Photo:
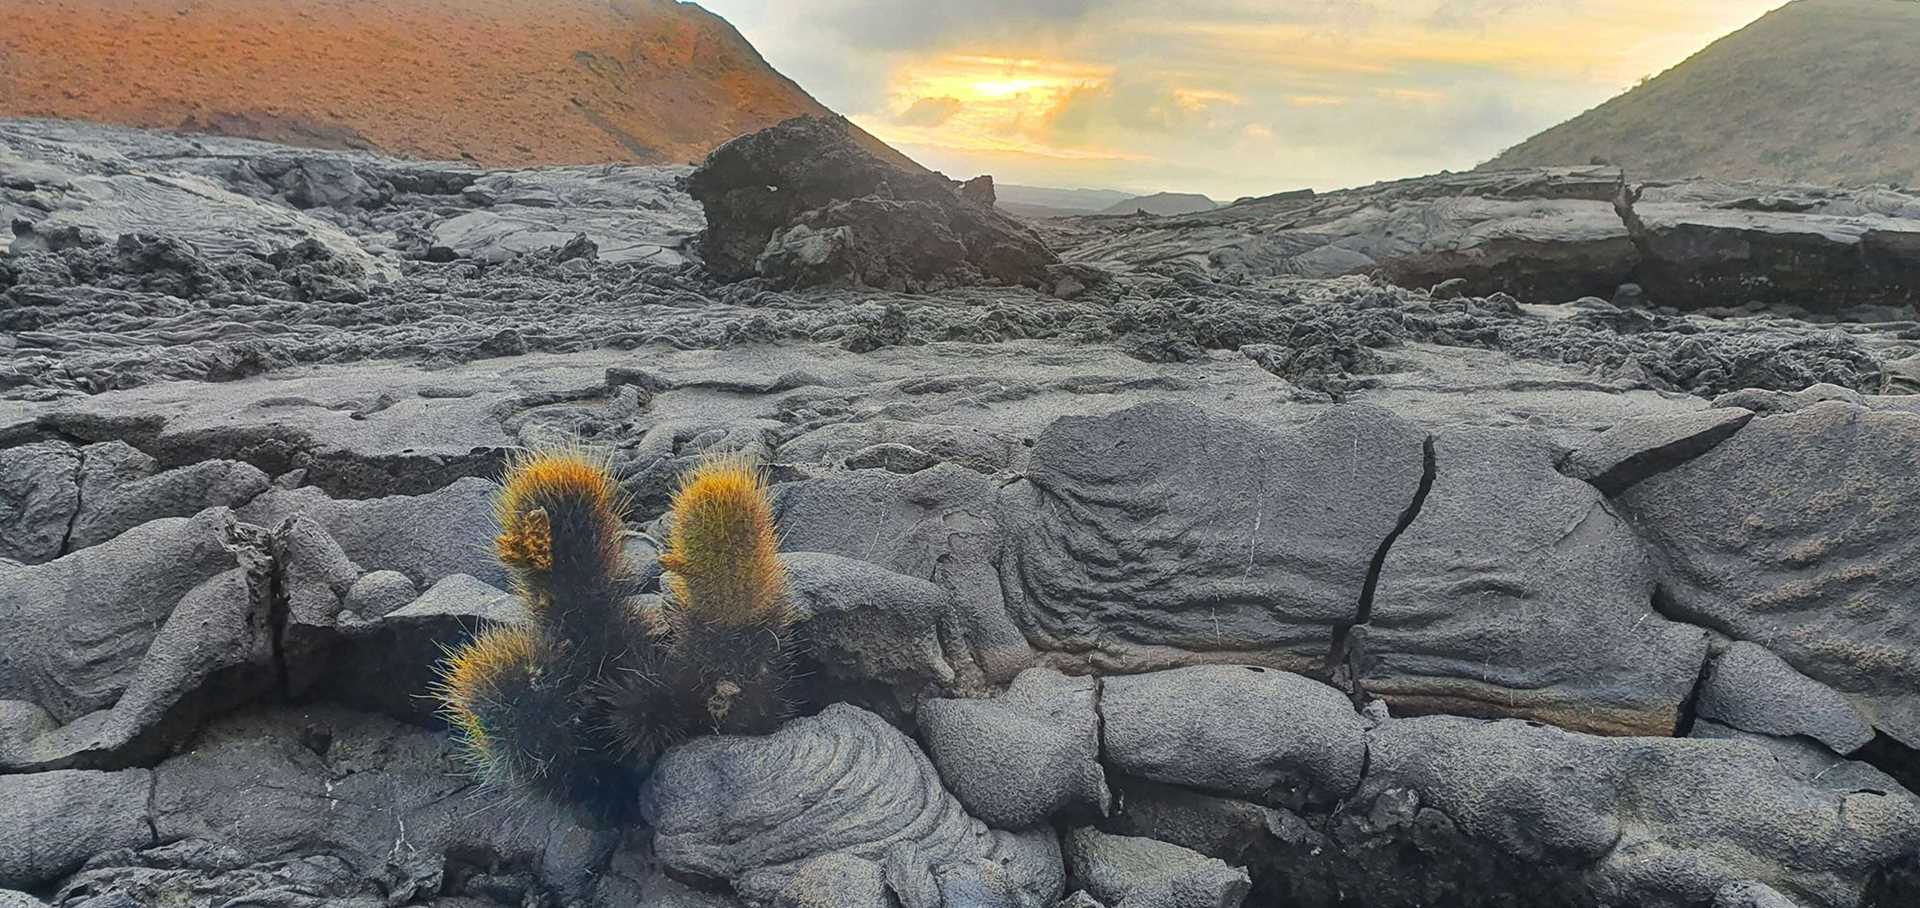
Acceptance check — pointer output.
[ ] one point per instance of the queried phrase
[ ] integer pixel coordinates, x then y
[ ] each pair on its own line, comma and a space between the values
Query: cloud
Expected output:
930, 112
1228, 97
892, 25
1480, 14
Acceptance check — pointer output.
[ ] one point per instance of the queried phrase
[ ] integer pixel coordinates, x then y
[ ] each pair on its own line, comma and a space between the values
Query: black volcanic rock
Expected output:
802, 204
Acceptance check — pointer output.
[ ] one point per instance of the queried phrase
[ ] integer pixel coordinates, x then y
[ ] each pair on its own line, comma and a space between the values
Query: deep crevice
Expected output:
153, 799
1893, 758
79, 501
1341, 666
1689, 709
1884, 752
279, 610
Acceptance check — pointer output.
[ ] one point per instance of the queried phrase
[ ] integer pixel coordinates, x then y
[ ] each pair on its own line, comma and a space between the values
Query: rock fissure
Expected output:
79, 499
1345, 654
1888, 755
279, 611
152, 815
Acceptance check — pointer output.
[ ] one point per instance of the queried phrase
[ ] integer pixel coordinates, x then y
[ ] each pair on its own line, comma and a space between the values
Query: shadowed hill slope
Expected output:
1818, 90
500, 82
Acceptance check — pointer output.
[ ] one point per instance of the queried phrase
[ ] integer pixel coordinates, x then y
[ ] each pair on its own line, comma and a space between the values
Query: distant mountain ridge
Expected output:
499, 82
1817, 91
1164, 204
1048, 202
1044, 202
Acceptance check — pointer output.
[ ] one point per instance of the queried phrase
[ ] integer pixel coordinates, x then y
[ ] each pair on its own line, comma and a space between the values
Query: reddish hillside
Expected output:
502, 82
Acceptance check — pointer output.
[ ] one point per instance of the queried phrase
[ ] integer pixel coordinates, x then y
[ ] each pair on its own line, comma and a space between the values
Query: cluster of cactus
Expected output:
576, 704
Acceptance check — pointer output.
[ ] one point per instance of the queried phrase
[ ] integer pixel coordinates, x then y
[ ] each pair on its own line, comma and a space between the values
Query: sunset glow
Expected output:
1226, 97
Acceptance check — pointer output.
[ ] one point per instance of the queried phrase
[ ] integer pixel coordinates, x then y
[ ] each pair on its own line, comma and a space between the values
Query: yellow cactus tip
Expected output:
539, 480
722, 550
470, 678
571, 474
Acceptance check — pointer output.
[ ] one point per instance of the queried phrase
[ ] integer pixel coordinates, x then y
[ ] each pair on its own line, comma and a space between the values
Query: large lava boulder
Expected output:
802, 204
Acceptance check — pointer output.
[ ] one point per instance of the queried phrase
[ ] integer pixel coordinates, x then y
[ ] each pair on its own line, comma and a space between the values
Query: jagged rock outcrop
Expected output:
802, 204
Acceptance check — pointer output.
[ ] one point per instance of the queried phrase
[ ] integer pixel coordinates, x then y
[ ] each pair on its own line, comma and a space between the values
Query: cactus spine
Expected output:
579, 703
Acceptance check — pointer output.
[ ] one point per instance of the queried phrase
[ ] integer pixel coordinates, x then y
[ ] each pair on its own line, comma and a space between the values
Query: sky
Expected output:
1223, 97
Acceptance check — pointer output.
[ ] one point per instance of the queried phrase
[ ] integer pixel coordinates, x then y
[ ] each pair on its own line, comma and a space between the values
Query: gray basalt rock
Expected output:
384, 807
379, 593
312, 578
1799, 534
1640, 821
630, 215
1025, 757
939, 524
803, 808
426, 537
1518, 592
121, 488
1804, 758
1128, 872
1166, 535
1711, 254
869, 628
389, 663
1547, 235
52, 822
1236, 831
1754, 690
1616, 459
39, 494
803, 204
1773, 402
1456, 811
1245, 731
853, 443
1750, 895
122, 645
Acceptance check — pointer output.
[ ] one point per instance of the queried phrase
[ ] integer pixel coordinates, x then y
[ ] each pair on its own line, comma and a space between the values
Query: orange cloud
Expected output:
930, 111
